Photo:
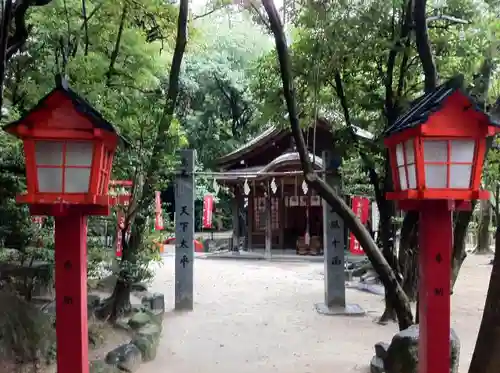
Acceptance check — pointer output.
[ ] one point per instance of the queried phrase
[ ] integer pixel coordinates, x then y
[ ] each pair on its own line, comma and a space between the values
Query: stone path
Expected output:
257, 316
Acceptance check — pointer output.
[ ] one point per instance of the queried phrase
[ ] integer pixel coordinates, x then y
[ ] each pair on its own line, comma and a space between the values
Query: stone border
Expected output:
145, 325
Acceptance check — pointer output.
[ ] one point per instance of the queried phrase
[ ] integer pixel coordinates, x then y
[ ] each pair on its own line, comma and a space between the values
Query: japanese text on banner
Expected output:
360, 206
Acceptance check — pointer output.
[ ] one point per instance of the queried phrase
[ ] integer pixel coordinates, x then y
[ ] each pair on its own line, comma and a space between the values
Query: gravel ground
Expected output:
257, 316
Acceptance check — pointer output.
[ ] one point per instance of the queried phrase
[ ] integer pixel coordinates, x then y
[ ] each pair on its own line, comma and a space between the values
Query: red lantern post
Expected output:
69, 149
436, 153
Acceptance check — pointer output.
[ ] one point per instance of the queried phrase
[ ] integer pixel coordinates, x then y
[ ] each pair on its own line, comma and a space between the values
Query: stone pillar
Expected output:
334, 245
184, 232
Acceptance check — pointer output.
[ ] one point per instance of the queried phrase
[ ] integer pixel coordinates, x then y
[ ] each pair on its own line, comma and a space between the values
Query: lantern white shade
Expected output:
49, 180
79, 153
405, 159
76, 180
74, 159
448, 163
48, 153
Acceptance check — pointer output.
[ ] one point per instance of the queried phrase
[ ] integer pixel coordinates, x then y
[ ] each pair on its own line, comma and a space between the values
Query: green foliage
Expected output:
15, 225
118, 60
27, 333
216, 107
141, 270
355, 41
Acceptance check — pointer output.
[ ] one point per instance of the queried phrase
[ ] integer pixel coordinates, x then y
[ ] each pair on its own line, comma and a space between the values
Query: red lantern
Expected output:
436, 153
69, 149
437, 149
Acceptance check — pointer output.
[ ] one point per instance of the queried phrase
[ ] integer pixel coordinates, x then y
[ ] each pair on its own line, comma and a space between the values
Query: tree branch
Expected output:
195, 17
261, 16
390, 104
4, 36
116, 49
17, 40
324, 190
424, 45
130, 86
85, 28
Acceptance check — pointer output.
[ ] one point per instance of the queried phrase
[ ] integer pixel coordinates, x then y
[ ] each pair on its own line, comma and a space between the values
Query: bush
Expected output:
26, 333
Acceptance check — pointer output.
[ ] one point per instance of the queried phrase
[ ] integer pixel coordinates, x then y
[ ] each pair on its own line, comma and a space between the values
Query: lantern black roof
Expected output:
424, 106
80, 105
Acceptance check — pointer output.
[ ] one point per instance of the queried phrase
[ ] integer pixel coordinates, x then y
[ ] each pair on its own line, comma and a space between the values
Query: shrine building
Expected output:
265, 175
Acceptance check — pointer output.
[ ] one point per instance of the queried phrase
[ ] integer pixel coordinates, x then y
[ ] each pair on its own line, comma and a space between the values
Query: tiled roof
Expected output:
424, 106
80, 105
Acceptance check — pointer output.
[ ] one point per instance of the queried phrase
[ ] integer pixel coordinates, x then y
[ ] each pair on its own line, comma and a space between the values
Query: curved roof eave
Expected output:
290, 157
273, 132
256, 141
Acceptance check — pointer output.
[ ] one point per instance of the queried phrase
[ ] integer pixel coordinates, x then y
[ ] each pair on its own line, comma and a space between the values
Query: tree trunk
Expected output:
380, 264
424, 45
119, 301
483, 231
408, 252
486, 358
388, 241
13, 14
407, 264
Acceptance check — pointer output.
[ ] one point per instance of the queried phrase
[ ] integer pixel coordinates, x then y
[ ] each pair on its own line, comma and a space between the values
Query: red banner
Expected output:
360, 206
208, 207
119, 228
158, 217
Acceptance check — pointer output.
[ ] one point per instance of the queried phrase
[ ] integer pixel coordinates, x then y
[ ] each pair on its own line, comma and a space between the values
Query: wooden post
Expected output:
235, 210
250, 221
71, 293
435, 243
281, 212
268, 232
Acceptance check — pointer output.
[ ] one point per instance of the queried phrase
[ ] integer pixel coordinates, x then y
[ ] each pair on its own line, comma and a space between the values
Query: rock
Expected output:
153, 330
377, 365
107, 283
96, 335
147, 339
126, 357
402, 354
139, 286
41, 289
147, 345
155, 302
99, 366
137, 308
370, 277
348, 275
359, 269
122, 324
139, 320
93, 301
49, 308
381, 350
